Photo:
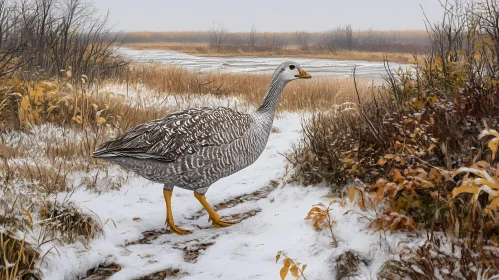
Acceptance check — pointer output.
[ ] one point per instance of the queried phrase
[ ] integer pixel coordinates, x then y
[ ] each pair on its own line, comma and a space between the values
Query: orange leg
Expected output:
169, 216
214, 217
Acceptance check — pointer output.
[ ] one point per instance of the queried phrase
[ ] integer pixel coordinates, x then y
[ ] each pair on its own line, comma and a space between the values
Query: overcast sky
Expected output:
267, 15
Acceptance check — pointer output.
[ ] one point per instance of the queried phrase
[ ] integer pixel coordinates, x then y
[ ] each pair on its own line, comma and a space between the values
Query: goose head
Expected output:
289, 71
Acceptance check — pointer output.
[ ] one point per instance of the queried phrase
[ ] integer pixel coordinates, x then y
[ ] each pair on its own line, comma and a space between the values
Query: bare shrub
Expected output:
47, 36
303, 40
340, 38
252, 38
218, 36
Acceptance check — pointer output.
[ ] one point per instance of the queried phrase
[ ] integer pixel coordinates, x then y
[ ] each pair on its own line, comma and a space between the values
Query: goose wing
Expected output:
176, 134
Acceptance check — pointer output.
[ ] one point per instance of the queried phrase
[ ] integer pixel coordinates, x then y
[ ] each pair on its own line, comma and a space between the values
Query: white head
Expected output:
289, 71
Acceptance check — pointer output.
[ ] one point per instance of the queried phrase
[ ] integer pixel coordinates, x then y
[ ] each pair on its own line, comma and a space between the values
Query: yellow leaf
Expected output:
287, 262
278, 256
493, 144
351, 194
284, 272
432, 100
397, 176
381, 161
69, 73
25, 104
101, 120
418, 105
494, 204
490, 184
466, 188
303, 268
294, 271
77, 119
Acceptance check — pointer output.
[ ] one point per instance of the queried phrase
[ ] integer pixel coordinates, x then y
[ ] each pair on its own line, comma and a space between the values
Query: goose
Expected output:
194, 148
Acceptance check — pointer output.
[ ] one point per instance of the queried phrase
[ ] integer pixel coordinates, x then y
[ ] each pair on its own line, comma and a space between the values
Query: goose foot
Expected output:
178, 230
213, 216
220, 223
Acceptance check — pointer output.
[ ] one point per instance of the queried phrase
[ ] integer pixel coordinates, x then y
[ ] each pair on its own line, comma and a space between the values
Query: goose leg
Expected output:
214, 217
169, 216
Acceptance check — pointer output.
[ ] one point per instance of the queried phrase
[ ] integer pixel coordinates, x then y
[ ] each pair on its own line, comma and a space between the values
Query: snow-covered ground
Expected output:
273, 221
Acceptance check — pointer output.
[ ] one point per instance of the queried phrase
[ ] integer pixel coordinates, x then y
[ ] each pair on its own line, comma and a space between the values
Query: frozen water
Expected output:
341, 68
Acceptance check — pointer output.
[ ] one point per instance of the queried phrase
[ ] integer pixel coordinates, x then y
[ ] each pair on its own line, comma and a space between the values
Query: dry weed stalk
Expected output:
321, 218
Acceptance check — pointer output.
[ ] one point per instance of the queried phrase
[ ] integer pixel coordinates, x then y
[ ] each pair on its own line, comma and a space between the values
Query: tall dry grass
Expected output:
318, 93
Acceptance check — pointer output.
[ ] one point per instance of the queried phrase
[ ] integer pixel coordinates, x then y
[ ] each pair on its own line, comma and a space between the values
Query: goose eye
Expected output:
292, 67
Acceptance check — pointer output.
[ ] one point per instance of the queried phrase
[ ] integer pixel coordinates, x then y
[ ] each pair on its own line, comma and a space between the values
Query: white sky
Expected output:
267, 15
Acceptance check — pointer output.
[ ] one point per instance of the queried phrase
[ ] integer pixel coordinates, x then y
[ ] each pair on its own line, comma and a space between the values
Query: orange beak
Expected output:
303, 74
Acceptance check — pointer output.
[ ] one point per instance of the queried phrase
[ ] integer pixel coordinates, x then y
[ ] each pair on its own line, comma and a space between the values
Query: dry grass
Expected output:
17, 258
66, 223
202, 49
442, 258
318, 93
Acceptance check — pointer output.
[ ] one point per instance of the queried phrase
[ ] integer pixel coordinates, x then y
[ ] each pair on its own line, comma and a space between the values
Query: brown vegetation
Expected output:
320, 93
425, 145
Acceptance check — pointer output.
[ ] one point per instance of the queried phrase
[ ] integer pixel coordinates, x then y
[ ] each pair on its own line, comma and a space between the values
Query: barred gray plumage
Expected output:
194, 148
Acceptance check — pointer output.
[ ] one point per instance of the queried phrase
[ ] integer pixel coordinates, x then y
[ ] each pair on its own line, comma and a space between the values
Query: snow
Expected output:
244, 251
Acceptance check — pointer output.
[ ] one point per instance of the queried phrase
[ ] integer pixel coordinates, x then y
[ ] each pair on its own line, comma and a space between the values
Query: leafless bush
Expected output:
218, 36
485, 15
340, 38
252, 37
272, 42
10, 45
303, 40
48, 36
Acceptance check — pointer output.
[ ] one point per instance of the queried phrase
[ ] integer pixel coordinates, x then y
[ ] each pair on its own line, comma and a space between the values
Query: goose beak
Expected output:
303, 74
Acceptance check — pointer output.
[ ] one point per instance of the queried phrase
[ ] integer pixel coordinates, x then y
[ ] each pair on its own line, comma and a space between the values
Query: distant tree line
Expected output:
339, 38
